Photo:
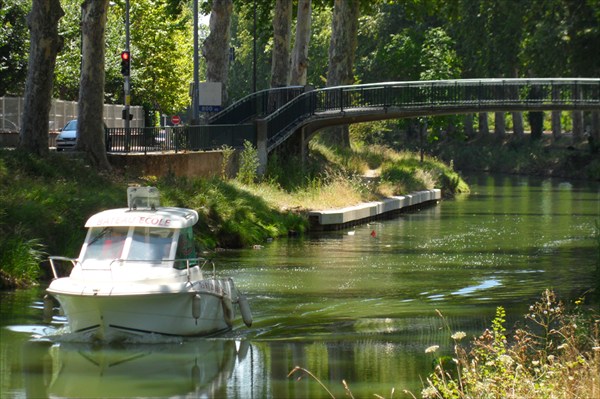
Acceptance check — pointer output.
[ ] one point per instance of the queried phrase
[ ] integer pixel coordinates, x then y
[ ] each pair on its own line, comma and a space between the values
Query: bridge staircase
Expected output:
256, 105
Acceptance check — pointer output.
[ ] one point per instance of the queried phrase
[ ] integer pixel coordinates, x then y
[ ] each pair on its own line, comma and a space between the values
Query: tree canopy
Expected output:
397, 40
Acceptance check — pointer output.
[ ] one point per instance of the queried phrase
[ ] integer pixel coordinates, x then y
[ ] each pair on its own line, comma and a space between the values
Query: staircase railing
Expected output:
256, 105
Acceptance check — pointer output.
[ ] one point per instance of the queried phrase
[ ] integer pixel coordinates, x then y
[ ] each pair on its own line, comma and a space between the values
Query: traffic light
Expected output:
125, 63
124, 114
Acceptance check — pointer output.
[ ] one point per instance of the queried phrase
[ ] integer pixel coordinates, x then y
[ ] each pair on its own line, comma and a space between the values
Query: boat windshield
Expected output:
106, 243
150, 244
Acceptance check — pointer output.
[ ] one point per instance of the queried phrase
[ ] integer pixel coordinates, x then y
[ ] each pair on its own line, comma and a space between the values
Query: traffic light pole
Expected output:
126, 86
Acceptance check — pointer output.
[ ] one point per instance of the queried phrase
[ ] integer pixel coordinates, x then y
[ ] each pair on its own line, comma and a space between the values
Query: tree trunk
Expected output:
216, 46
344, 31
577, 126
468, 121
536, 121
594, 137
556, 125
90, 121
518, 129
499, 124
484, 127
282, 27
300, 51
45, 44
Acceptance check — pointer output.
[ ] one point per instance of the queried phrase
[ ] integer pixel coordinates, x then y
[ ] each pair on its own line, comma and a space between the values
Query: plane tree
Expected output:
45, 44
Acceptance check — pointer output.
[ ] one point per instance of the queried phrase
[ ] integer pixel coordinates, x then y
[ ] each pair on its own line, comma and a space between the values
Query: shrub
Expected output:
20, 258
248, 164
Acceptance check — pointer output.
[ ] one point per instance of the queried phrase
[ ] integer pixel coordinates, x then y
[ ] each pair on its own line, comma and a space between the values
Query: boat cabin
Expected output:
141, 234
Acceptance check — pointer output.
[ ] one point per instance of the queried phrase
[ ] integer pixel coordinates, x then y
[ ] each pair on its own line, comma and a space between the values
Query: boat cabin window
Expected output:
185, 249
150, 243
106, 243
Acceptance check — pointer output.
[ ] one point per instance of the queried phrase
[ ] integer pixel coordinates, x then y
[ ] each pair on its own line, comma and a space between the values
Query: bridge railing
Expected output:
472, 95
461, 92
256, 105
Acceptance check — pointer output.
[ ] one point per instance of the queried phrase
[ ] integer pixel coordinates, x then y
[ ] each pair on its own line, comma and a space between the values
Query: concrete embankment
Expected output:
336, 219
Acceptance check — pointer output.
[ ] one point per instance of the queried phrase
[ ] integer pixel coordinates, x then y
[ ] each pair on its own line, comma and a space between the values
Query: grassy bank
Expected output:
44, 203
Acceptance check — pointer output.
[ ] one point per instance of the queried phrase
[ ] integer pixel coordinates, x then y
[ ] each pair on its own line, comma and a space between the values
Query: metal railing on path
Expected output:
179, 139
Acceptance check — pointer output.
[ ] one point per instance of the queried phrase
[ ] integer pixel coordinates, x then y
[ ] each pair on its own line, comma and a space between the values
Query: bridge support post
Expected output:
303, 147
261, 146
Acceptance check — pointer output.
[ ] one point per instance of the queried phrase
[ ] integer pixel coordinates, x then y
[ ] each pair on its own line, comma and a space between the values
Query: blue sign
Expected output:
210, 108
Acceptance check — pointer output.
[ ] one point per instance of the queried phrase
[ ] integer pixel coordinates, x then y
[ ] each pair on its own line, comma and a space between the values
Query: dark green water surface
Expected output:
344, 305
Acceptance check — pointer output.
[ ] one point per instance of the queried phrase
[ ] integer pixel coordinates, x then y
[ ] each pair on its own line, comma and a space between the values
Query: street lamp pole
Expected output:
195, 100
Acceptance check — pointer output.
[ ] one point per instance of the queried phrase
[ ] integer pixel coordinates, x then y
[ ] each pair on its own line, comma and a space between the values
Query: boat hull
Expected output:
169, 313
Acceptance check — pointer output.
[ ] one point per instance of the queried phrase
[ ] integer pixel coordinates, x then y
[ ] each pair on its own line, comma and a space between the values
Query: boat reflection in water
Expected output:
77, 370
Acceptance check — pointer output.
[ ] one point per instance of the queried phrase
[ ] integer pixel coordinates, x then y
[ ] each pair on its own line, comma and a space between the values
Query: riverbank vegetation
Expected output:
554, 353
526, 154
44, 202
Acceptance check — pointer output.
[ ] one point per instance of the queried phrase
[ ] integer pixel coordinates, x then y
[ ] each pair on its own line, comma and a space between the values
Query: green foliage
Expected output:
597, 237
44, 203
402, 172
160, 40
14, 45
227, 152
162, 64
519, 155
20, 258
248, 164
438, 58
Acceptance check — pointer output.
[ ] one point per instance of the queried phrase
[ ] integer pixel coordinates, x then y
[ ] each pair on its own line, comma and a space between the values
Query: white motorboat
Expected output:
138, 273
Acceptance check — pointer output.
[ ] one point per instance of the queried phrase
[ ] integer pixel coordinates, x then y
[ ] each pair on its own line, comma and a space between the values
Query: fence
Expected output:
11, 112
179, 139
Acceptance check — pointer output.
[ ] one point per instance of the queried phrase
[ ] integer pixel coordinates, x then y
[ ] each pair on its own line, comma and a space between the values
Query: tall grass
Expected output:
395, 172
231, 216
20, 258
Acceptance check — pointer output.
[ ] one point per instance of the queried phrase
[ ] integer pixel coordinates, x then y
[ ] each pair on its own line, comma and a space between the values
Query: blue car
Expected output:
67, 138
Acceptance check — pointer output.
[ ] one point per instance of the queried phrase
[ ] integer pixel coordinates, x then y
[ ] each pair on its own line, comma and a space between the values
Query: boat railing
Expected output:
52, 259
186, 263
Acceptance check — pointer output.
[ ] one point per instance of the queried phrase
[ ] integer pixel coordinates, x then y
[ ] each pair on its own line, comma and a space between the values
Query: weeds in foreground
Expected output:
347, 391
556, 354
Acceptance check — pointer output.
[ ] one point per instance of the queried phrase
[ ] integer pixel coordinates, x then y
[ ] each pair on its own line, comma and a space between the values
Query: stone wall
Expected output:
191, 164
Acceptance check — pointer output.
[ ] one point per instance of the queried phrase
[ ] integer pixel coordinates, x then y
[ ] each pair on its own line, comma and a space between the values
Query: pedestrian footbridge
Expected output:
271, 117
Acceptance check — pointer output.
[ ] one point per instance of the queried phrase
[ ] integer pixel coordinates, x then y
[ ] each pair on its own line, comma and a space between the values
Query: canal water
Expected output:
359, 305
